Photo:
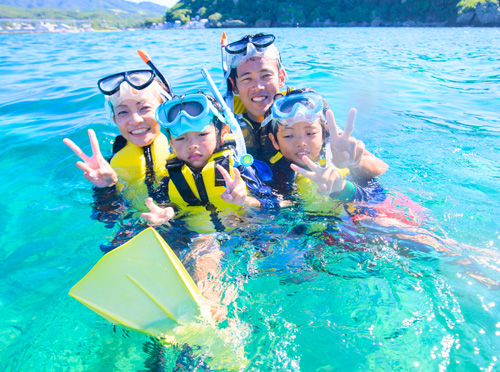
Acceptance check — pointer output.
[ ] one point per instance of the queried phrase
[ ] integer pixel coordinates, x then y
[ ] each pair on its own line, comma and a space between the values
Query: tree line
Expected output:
307, 12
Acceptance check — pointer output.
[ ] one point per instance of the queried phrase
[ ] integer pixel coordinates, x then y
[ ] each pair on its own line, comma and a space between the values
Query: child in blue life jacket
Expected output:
299, 133
202, 180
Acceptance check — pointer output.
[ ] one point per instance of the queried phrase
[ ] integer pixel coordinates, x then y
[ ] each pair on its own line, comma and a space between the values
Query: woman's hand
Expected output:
157, 215
328, 178
95, 168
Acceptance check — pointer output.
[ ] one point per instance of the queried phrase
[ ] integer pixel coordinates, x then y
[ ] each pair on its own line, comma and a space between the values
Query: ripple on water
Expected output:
375, 297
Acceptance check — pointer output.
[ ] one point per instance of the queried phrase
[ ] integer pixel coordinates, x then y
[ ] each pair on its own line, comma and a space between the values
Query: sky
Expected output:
168, 3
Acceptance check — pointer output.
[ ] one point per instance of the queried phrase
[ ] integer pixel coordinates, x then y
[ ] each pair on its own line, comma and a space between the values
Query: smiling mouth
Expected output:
302, 153
259, 99
139, 131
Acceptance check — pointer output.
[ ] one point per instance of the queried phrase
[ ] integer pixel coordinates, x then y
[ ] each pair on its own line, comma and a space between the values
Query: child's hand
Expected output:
347, 151
157, 216
328, 179
95, 168
236, 192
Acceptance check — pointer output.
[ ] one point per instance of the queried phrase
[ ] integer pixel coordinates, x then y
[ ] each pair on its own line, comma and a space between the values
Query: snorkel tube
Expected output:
241, 151
150, 63
228, 96
223, 43
225, 68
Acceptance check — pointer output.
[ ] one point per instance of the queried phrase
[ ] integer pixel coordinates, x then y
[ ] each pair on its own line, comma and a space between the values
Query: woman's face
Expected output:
136, 120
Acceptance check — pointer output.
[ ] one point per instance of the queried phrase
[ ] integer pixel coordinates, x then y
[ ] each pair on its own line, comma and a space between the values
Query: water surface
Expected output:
427, 102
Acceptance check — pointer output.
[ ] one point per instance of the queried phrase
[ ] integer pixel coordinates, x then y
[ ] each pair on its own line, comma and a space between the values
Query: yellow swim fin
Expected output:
142, 286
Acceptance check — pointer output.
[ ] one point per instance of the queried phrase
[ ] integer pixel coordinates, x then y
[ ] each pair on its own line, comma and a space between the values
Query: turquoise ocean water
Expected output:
428, 103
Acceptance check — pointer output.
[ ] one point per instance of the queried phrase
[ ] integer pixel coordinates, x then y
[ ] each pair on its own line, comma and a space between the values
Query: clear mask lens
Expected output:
300, 116
290, 109
138, 79
111, 83
259, 41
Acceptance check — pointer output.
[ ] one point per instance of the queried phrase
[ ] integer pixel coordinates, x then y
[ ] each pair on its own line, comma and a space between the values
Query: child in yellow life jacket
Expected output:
139, 152
198, 180
299, 133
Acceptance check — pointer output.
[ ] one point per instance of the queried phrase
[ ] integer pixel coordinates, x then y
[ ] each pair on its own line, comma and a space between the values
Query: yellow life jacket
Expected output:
140, 169
238, 107
198, 195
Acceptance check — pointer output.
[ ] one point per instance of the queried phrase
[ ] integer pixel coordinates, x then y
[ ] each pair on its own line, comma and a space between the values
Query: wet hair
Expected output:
233, 74
216, 122
163, 95
289, 92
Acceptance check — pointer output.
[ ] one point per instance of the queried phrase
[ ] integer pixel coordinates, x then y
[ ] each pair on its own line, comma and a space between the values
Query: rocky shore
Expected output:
484, 14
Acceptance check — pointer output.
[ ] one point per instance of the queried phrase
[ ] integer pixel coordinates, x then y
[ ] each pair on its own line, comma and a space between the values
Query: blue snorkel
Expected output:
241, 150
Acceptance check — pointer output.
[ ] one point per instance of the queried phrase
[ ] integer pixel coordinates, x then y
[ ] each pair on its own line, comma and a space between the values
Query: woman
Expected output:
140, 151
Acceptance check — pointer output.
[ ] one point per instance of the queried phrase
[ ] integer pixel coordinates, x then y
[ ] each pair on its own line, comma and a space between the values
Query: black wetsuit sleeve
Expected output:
258, 189
162, 191
108, 205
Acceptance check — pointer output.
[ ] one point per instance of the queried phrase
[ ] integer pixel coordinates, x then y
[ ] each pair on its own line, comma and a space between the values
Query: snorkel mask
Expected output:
293, 108
137, 85
190, 113
259, 45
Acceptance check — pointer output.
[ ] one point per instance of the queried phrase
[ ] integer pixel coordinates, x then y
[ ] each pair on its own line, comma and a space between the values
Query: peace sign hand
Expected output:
328, 178
347, 151
95, 168
236, 192
157, 215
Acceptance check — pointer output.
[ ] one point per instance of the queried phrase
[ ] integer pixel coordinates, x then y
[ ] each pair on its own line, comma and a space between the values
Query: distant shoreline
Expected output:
76, 31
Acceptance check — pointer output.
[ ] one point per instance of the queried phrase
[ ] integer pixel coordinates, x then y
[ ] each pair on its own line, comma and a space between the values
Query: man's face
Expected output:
258, 81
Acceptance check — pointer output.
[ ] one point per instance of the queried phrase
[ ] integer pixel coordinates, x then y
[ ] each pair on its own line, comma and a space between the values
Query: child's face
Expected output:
300, 139
258, 80
136, 120
195, 148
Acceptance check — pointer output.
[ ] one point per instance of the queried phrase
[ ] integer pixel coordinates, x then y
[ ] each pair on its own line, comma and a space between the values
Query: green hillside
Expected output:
101, 13
144, 8
325, 12
263, 13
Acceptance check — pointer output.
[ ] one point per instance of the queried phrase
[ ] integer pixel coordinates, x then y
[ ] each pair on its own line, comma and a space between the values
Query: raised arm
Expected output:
348, 152
95, 168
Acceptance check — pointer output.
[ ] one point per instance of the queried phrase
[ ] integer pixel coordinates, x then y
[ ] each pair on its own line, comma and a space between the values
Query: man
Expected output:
255, 73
